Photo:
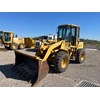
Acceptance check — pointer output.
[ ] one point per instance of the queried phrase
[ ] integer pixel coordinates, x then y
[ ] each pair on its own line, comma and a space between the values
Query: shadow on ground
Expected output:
7, 71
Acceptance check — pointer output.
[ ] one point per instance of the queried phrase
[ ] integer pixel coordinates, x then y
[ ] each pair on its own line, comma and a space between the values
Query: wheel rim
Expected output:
82, 56
64, 63
21, 46
14, 47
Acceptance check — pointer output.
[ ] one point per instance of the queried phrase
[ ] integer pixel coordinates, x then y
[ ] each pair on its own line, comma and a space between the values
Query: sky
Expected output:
32, 24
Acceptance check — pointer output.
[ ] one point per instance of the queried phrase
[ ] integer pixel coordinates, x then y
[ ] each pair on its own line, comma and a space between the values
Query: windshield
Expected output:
7, 37
64, 33
45, 37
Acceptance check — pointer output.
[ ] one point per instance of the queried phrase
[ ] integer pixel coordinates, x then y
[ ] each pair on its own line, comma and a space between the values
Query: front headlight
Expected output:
38, 44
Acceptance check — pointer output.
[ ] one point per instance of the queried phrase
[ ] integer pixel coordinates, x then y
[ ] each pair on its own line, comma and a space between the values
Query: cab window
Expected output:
7, 37
68, 34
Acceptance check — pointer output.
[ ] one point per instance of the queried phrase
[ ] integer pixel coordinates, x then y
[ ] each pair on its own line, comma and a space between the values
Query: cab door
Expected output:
75, 36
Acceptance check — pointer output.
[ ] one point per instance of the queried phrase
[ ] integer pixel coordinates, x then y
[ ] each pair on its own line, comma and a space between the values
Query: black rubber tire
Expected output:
12, 46
57, 62
79, 54
21, 46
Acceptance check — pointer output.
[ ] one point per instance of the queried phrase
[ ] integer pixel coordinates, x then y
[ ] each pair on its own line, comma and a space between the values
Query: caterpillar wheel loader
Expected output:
8, 40
33, 66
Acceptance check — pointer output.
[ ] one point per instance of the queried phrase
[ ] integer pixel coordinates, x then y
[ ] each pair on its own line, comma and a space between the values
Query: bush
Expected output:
91, 43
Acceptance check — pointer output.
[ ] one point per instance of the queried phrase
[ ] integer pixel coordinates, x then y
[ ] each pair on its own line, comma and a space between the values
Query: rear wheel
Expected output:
80, 56
13, 46
61, 61
21, 46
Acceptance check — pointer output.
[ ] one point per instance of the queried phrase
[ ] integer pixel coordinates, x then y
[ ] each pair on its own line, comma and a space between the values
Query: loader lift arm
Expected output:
50, 49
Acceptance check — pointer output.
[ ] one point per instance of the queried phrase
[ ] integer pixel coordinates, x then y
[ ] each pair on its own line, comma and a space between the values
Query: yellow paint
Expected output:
29, 42
82, 57
80, 45
64, 63
14, 47
53, 46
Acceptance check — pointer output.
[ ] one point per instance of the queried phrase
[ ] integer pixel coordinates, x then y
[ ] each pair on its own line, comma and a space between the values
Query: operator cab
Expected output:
6, 36
69, 33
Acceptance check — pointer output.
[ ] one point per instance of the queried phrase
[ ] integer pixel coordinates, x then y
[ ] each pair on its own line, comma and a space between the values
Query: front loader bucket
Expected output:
30, 68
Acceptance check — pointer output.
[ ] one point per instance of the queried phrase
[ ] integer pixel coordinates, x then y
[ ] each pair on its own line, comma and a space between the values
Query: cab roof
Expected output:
6, 31
70, 25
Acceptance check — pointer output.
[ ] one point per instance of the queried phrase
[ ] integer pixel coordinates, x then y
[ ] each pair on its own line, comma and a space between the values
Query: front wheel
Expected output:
21, 46
61, 61
13, 46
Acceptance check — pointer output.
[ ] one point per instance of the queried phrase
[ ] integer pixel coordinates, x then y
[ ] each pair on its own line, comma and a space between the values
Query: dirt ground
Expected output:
89, 71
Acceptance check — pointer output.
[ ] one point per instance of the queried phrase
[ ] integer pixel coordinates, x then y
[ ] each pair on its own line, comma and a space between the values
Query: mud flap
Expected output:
34, 70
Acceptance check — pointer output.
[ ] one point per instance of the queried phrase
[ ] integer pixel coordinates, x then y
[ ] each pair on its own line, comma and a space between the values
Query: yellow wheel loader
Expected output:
33, 64
9, 41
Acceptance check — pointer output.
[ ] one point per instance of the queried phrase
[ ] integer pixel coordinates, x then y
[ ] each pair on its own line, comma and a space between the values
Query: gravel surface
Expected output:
89, 71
